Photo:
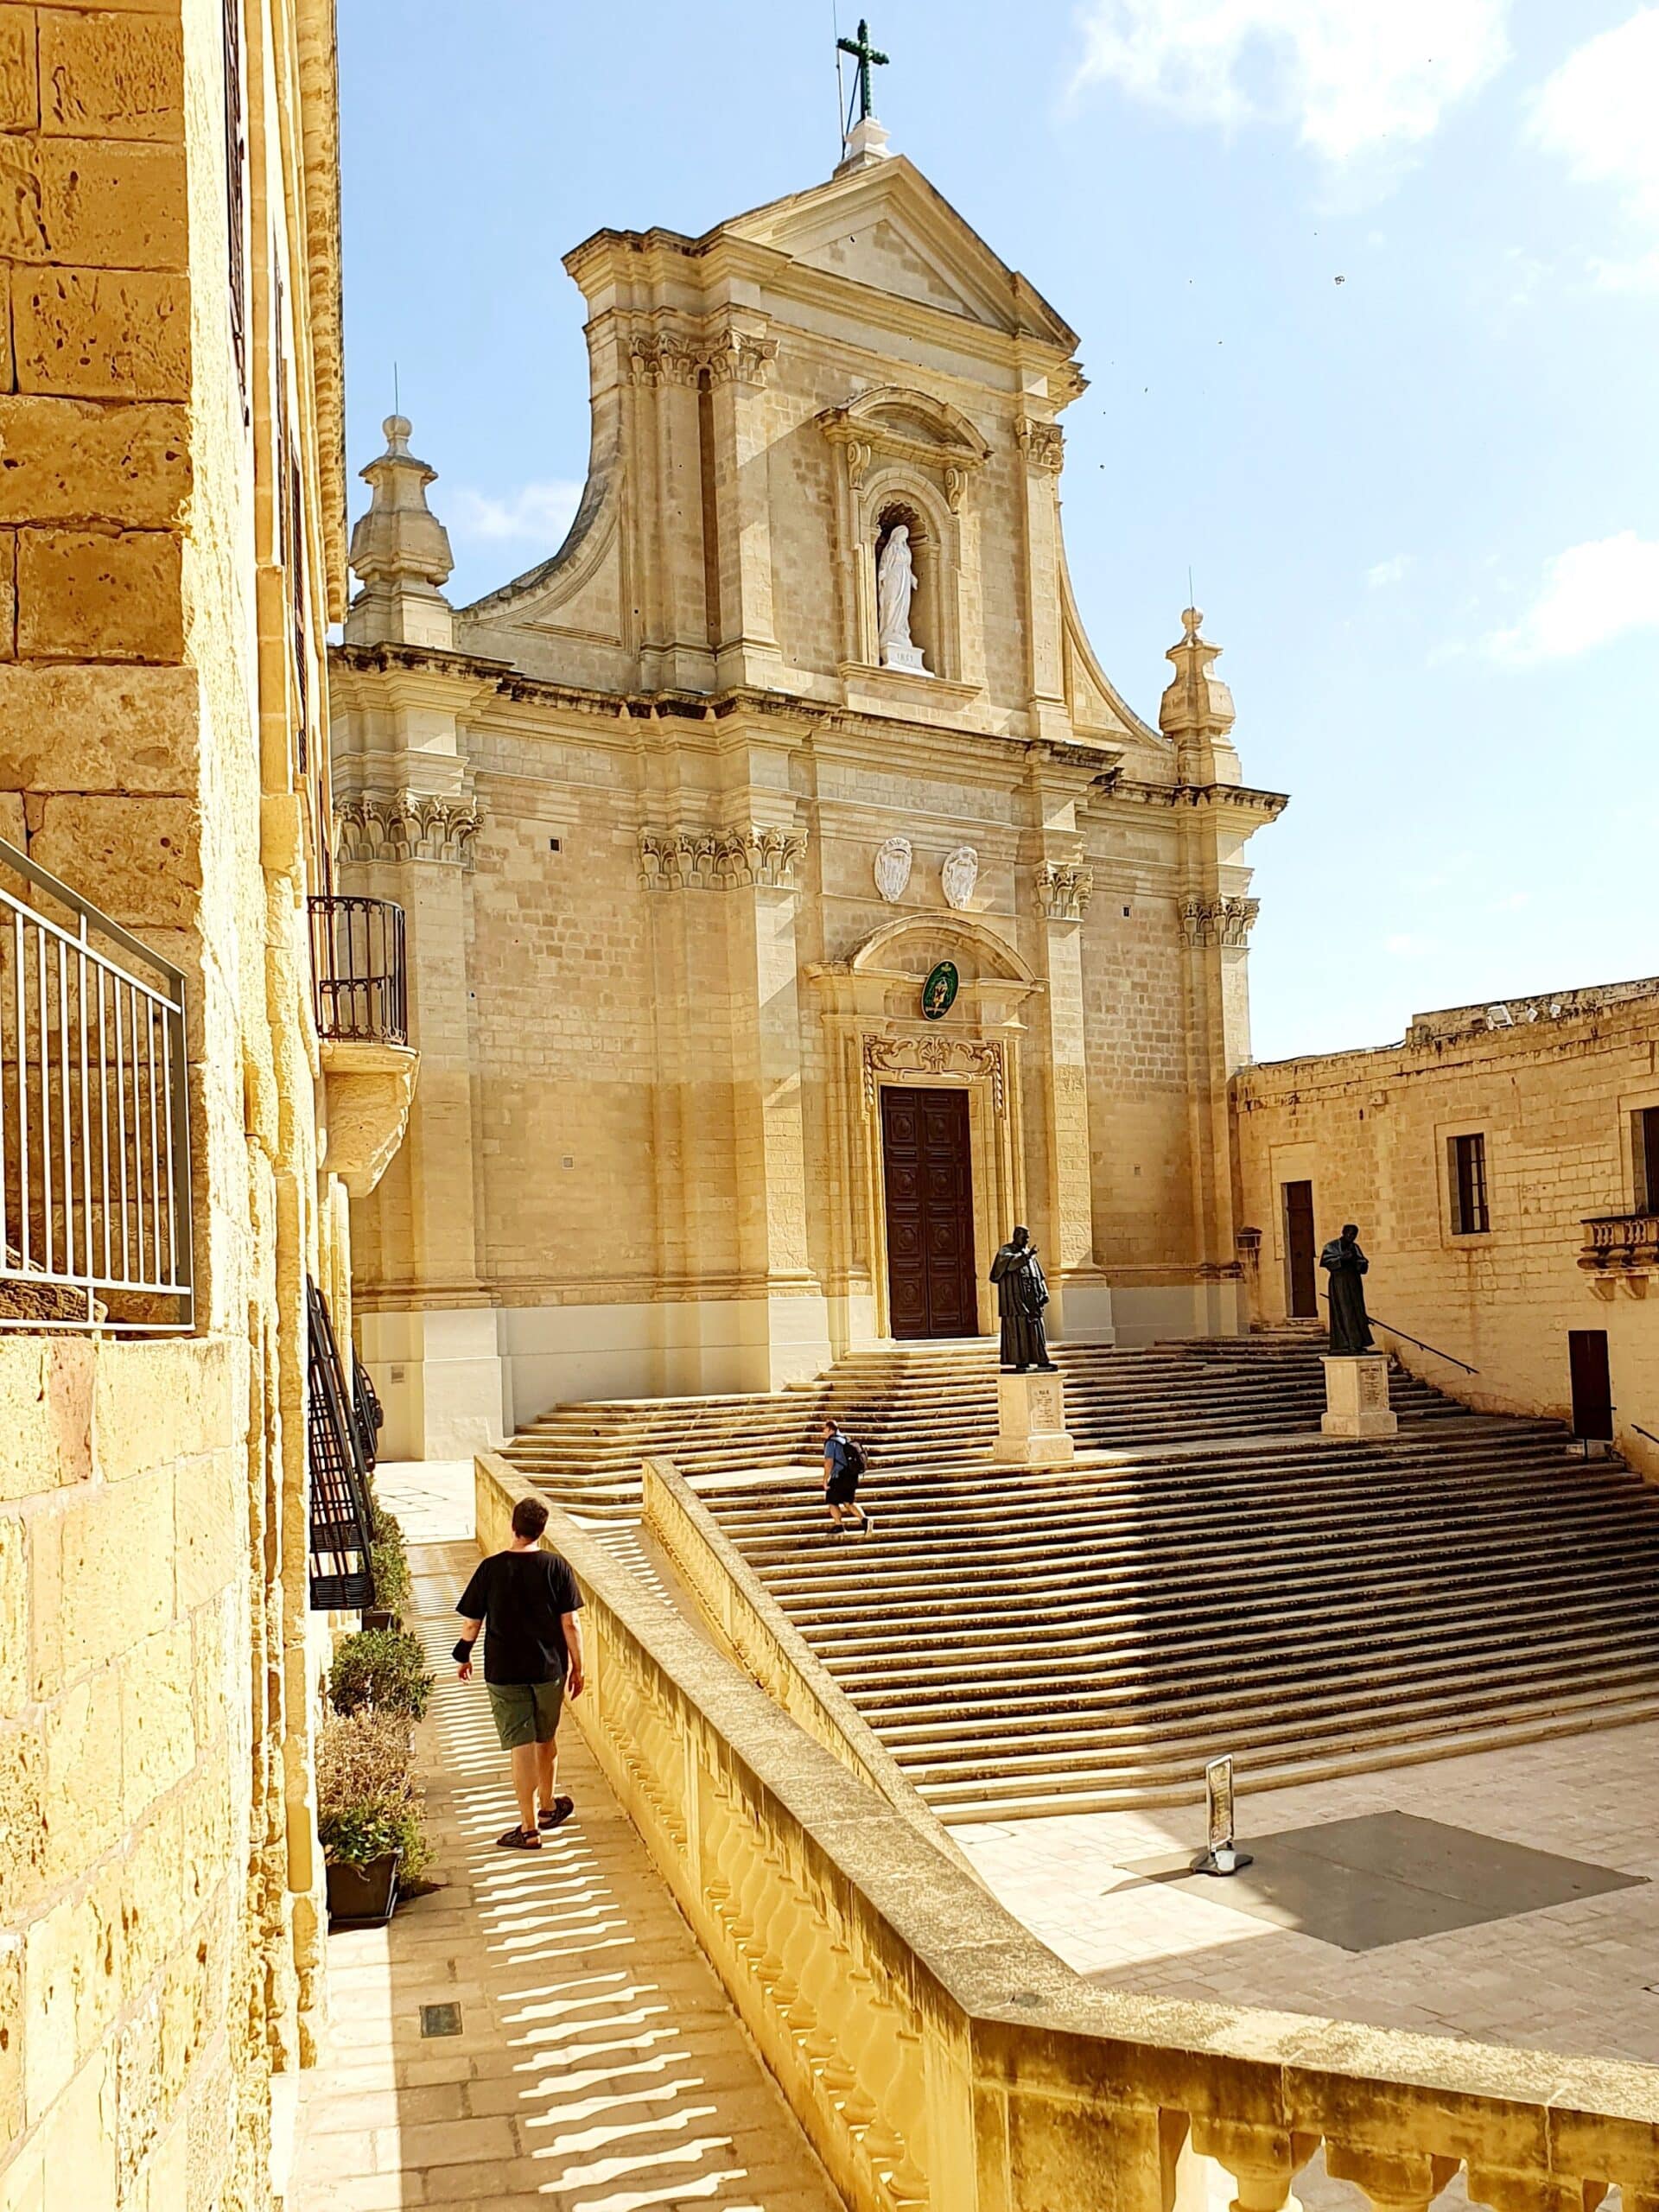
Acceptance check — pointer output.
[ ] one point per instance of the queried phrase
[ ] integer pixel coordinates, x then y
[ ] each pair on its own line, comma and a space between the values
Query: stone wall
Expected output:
1554, 1097
170, 546
125, 1684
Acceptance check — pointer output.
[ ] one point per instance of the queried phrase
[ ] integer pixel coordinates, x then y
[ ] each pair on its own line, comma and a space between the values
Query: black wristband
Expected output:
462, 1652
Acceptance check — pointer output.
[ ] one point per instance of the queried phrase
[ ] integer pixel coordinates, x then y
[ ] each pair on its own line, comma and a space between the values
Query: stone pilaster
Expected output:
1042, 449
1062, 886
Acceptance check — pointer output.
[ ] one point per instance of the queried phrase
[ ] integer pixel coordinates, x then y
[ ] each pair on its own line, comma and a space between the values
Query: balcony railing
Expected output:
1620, 1243
95, 1227
357, 969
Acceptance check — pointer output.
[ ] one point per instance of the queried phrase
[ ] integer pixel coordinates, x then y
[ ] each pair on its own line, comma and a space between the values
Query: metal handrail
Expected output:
1640, 1431
95, 1190
1377, 1322
359, 973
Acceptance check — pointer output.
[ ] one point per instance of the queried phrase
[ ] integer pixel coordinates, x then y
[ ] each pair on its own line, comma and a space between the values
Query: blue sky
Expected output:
1368, 292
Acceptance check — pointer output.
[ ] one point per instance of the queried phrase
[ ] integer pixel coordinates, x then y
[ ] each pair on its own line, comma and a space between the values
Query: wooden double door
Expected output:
927, 1174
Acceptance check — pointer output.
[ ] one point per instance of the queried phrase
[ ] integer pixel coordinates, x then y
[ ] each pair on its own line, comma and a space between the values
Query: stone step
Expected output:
1286, 1765
947, 1698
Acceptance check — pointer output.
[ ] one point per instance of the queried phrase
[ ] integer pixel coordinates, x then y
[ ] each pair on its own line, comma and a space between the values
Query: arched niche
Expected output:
903, 454
894, 495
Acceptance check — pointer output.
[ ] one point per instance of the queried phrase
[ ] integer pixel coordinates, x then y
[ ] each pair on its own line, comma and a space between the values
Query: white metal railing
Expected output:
95, 1227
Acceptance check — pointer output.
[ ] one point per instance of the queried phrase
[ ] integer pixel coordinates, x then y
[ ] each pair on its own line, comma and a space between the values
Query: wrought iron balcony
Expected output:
1621, 1243
358, 974
95, 1227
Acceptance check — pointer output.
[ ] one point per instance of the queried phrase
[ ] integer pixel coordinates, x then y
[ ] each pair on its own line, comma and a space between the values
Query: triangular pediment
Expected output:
885, 227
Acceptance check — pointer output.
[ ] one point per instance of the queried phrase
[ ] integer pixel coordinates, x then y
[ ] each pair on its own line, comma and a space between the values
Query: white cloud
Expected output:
538, 512
1596, 113
1590, 594
1388, 572
1352, 75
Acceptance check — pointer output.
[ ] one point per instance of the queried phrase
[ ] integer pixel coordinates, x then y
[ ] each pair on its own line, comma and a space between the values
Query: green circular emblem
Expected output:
939, 991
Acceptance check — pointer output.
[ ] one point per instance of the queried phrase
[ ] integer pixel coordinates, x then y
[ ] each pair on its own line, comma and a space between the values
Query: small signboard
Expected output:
939, 991
1222, 1856
1218, 1794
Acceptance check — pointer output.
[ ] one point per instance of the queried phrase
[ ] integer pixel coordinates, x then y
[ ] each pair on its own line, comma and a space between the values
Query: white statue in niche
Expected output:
892, 869
895, 587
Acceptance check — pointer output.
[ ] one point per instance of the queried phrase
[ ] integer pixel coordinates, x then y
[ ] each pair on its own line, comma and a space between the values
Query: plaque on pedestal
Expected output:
1357, 1395
1031, 1428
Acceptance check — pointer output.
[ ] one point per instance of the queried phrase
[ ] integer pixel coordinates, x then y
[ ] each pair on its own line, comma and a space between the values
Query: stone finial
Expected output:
1197, 709
401, 550
865, 144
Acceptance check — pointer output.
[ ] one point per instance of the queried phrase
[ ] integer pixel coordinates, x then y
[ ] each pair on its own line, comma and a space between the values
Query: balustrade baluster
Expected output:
1393, 2181
1263, 2161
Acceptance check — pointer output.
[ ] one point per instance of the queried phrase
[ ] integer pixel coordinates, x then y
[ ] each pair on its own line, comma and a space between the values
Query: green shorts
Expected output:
526, 1712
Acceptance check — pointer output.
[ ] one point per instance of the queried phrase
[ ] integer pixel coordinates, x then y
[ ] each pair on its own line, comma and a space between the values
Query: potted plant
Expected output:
381, 1671
388, 1558
369, 1819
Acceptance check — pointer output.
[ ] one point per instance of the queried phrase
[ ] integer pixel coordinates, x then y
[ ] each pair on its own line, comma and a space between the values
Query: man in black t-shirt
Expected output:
527, 1600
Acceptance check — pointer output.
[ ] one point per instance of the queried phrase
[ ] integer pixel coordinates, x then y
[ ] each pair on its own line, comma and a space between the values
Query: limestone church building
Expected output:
774, 948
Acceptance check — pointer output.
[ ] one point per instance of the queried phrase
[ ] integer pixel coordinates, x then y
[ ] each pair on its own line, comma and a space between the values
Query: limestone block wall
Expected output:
171, 547
1372, 1130
125, 1681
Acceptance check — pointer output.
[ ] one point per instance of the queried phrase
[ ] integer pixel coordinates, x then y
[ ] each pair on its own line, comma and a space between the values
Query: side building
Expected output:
172, 549
795, 903
1502, 1163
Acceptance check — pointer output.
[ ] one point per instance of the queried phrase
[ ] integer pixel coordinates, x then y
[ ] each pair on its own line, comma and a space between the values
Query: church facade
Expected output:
794, 904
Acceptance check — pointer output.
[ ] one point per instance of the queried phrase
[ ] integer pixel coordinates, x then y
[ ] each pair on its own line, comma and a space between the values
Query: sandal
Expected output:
557, 1813
519, 1839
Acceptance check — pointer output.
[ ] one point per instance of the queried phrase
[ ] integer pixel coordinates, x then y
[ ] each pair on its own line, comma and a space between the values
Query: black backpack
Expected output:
855, 1462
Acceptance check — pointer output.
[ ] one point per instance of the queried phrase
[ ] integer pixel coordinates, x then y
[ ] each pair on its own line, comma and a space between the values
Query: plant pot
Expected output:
374, 1617
362, 1895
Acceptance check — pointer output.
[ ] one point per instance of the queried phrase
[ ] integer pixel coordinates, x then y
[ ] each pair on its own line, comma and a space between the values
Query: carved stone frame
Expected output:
896, 447
872, 1049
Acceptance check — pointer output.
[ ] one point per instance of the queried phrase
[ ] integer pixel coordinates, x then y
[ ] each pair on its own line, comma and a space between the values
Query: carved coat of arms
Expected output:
959, 875
892, 869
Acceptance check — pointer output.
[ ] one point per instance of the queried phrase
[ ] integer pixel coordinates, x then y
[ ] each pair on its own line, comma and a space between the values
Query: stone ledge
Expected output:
368, 1090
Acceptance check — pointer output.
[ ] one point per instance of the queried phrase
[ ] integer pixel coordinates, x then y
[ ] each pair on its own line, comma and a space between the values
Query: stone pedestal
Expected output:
1357, 1396
1031, 1428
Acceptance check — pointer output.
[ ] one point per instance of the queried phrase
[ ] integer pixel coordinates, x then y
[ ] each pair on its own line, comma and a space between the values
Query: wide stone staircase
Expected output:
1216, 1577
1082, 1640
931, 1405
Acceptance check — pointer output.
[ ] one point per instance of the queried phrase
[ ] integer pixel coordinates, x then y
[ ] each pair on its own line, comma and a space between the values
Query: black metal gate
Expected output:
342, 1575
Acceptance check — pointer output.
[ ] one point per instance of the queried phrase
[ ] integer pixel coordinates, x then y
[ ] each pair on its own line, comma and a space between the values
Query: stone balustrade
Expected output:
1620, 1243
936, 2055
748, 1621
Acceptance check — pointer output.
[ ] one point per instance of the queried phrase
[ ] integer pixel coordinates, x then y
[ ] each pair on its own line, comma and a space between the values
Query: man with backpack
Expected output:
844, 1464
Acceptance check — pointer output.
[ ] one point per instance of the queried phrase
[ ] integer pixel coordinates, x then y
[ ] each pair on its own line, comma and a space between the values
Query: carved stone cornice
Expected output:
1042, 444
377, 825
1064, 889
712, 860
914, 428
1218, 921
730, 356
980, 1056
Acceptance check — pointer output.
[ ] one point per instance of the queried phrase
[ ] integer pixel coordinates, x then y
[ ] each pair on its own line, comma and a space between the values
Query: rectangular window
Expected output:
1468, 1162
1644, 1154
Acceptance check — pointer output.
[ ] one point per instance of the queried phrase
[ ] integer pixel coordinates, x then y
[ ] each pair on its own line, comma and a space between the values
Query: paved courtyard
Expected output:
1580, 1976
598, 2067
